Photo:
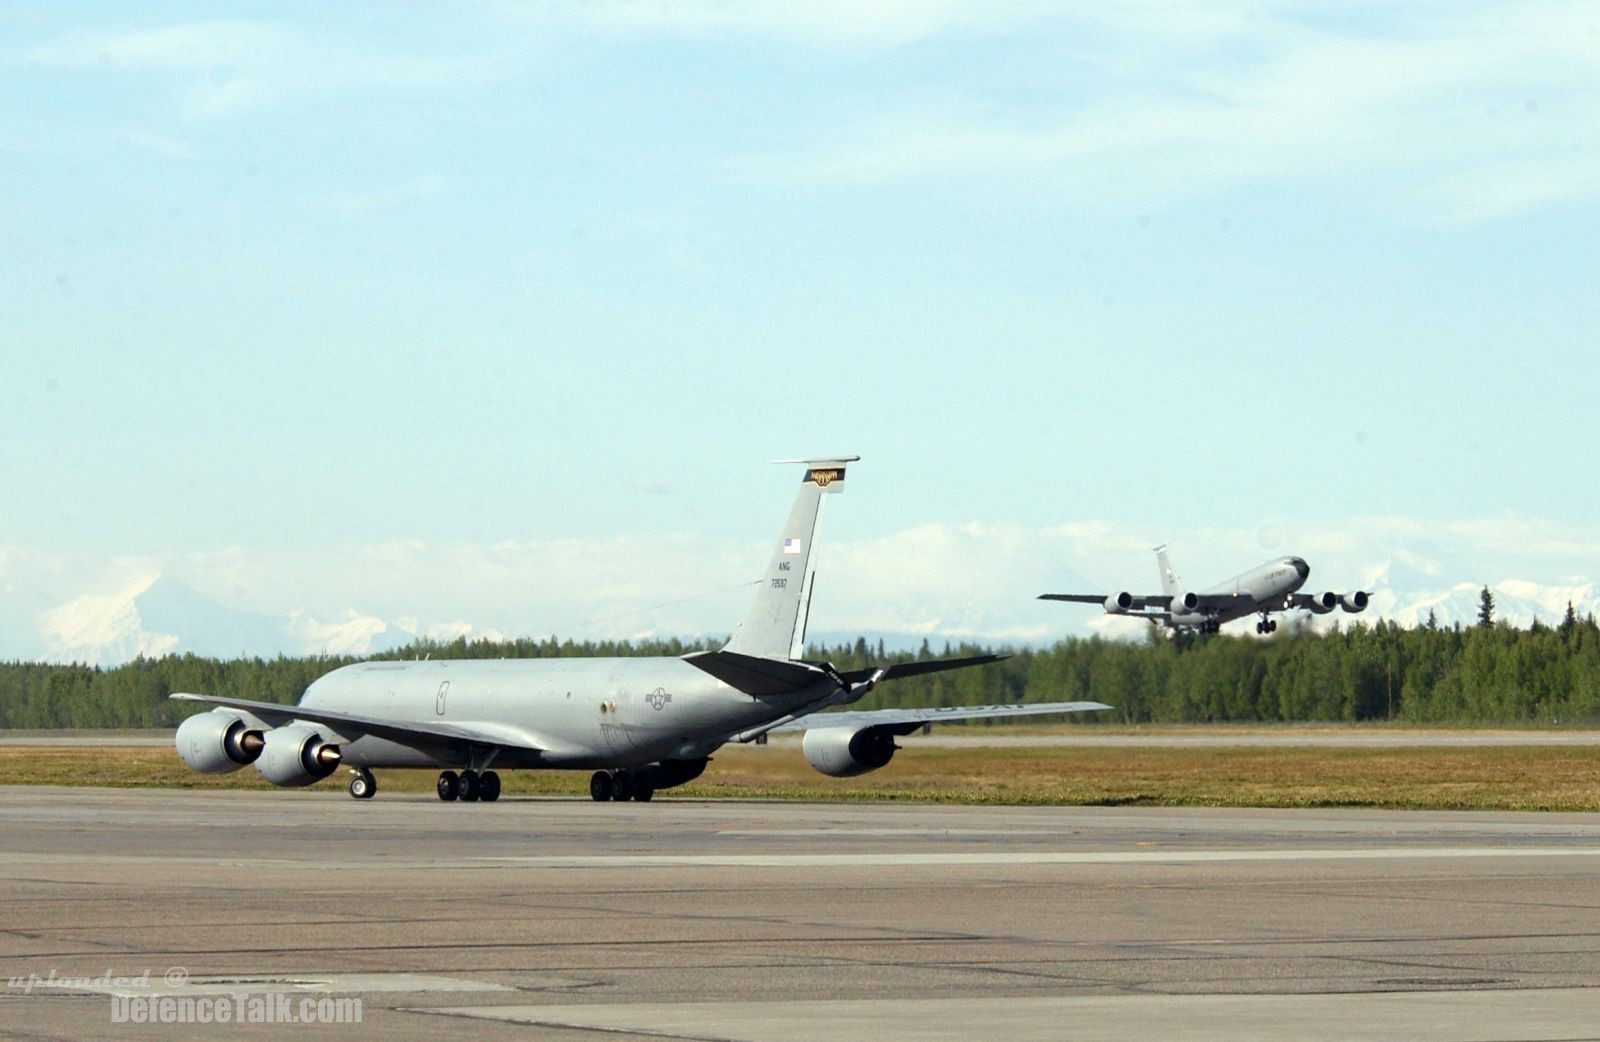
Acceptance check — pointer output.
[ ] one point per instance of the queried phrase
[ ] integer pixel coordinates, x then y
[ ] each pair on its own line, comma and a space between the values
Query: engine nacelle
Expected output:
297, 755
1185, 603
841, 753
217, 742
1119, 601
1323, 603
1354, 601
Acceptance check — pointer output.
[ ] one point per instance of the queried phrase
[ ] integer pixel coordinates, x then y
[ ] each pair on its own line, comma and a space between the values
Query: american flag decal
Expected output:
791, 545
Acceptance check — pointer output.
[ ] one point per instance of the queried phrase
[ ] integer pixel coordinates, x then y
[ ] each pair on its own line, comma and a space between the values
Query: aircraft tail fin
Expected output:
776, 624
1171, 585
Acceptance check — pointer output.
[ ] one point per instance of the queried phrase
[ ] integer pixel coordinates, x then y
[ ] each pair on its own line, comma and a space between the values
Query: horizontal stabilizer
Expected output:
913, 669
756, 674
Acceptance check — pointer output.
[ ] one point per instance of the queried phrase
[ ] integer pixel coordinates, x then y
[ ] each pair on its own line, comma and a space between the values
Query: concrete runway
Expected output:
565, 920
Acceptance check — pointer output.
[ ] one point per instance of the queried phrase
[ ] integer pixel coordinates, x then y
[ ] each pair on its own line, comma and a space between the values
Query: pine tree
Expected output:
1569, 622
1486, 609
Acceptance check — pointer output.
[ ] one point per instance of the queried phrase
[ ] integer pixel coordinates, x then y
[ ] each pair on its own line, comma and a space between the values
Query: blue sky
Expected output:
297, 281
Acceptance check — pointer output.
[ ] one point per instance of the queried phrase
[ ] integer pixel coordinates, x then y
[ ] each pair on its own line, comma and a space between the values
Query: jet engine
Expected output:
218, 742
1119, 601
840, 753
1354, 601
297, 755
1323, 603
1185, 602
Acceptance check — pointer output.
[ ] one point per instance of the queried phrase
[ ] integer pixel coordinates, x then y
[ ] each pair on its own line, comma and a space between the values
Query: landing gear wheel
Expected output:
449, 786
642, 791
488, 786
471, 787
600, 787
363, 785
622, 786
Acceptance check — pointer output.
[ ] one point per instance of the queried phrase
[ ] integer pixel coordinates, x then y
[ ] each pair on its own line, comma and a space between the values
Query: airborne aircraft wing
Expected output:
404, 731
1134, 603
905, 721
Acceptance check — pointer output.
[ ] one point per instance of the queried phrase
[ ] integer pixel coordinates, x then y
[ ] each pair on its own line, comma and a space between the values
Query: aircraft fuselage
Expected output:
1267, 586
579, 713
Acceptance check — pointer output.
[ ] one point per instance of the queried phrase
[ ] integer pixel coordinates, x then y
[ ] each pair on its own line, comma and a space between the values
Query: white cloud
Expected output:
833, 23
227, 67
1463, 117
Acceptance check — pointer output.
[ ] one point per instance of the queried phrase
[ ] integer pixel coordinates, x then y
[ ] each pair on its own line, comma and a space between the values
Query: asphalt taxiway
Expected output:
566, 919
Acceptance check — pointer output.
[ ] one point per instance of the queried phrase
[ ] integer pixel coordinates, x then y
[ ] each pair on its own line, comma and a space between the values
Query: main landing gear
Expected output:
620, 786
469, 786
363, 785
1267, 625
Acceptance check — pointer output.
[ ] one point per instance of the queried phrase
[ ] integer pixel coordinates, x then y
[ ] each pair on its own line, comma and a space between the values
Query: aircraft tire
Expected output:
622, 786
488, 786
600, 787
471, 788
643, 791
449, 786
363, 786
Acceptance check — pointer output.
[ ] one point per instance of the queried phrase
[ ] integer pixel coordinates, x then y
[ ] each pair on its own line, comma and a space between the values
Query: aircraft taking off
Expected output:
1271, 587
641, 724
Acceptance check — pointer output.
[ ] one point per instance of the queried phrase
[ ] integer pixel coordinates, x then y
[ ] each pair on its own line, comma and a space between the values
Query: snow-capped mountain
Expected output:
159, 616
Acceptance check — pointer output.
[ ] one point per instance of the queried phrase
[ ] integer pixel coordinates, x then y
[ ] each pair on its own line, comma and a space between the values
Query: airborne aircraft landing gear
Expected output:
1266, 625
363, 785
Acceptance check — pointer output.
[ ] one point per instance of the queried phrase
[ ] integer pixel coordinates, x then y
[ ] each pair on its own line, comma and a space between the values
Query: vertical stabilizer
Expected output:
776, 625
1170, 584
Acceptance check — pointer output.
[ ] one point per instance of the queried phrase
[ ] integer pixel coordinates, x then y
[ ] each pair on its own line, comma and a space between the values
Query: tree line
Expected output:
1430, 674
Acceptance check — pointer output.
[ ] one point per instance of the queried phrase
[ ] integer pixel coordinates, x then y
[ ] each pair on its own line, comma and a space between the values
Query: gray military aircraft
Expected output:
641, 724
1268, 588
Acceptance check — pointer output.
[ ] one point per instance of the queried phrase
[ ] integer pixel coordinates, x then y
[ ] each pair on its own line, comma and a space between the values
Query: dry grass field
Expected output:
1481, 778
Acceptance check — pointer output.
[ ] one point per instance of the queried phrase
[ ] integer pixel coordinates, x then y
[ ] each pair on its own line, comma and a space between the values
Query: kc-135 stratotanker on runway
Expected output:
641, 724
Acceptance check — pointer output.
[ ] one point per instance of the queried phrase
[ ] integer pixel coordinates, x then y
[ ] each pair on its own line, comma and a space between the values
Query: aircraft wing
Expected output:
404, 731
904, 721
1134, 603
